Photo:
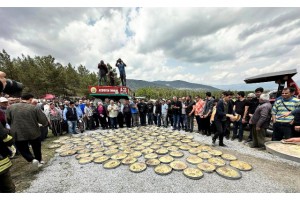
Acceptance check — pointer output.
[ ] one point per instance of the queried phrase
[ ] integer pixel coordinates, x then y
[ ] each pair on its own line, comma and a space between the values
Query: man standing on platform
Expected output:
102, 72
121, 66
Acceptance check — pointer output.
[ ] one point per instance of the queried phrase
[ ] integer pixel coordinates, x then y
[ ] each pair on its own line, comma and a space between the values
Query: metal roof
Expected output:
274, 76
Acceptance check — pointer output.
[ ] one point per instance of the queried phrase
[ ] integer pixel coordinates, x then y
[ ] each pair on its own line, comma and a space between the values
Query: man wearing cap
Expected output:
24, 119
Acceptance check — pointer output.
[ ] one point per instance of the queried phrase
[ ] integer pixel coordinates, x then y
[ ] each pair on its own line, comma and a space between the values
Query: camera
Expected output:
12, 87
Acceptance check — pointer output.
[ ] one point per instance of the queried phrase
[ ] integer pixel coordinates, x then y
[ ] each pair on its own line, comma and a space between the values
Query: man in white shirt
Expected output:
113, 111
164, 112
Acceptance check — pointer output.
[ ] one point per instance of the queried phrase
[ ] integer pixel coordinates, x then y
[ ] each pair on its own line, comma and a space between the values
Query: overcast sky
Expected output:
200, 45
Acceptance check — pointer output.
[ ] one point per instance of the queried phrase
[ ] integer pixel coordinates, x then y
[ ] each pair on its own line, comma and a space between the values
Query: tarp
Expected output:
49, 96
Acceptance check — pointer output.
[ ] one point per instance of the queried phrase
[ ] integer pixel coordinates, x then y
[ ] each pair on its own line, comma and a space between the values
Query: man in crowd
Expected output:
120, 117
89, 116
113, 111
198, 111
96, 118
170, 113
252, 106
239, 108
106, 104
158, 113
260, 121
142, 107
176, 110
127, 113
207, 110
71, 117
164, 113
150, 106
282, 125
189, 104
24, 120
134, 113
183, 117
224, 110
82, 105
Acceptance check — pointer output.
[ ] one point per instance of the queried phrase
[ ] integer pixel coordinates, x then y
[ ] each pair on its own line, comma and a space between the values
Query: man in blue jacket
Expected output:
121, 66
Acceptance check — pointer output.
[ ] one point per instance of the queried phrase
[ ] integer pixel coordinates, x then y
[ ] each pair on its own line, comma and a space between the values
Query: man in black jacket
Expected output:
170, 114
207, 110
150, 106
102, 72
72, 118
158, 112
176, 110
127, 113
190, 118
223, 112
142, 107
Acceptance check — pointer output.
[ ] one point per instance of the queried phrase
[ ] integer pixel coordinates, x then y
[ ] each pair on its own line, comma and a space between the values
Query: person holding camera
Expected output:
102, 72
121, 66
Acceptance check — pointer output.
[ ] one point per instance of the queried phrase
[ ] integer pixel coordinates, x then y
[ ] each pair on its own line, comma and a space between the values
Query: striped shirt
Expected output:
279, 109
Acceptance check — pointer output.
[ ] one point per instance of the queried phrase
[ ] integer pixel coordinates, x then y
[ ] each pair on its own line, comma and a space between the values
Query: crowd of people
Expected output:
25, 121
224, 117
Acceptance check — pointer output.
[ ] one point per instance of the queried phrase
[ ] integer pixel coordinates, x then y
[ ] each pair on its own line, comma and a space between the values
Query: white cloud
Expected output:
200, 45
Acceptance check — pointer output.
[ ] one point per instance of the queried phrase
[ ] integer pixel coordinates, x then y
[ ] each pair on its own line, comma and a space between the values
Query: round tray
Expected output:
162, 169
281, 150
178, 165
137, 167
85, 160
152, 162
111, 164
193, 173
240, 165
238, 173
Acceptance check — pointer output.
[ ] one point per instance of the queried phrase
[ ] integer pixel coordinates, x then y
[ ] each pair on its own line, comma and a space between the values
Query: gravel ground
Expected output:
269, 174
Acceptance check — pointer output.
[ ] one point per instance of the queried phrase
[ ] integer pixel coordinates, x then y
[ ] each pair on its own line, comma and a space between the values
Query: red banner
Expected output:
109, 90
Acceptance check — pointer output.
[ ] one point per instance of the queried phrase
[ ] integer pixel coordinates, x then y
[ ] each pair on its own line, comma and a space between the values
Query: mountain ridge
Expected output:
177, 84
